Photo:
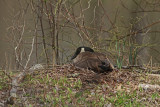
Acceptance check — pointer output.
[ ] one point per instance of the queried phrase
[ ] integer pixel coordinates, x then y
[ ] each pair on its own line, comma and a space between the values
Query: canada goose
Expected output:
85, 57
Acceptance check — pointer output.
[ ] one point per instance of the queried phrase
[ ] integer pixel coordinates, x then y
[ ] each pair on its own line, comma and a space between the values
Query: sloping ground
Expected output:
70, 86
4, 87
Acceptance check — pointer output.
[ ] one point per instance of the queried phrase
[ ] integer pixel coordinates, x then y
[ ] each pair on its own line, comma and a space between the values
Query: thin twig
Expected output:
29, 56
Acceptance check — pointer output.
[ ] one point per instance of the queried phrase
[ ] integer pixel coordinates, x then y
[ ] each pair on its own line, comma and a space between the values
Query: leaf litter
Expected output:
64, 82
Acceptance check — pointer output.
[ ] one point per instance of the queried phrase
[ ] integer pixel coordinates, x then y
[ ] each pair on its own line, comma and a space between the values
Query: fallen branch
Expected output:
154, 75
16, 80
148, 86
131, 66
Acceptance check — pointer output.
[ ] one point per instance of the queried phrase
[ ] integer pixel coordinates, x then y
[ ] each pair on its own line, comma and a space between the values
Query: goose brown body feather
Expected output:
98, 62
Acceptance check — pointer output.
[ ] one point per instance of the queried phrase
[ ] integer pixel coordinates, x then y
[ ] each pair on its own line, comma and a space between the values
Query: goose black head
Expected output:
81, 49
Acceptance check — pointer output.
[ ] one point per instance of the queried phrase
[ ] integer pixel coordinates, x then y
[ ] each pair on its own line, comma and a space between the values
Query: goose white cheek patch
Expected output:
82, 50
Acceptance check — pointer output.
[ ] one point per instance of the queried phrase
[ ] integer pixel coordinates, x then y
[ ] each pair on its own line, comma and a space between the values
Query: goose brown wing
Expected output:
89, 63
105, 63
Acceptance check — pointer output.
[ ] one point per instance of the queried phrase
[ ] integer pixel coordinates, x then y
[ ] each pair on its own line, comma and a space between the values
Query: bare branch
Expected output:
29, 56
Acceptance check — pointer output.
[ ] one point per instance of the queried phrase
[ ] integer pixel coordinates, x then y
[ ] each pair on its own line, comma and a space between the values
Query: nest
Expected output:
90, 77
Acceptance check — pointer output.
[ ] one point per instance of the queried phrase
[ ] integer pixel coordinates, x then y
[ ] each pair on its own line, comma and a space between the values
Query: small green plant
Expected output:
155, 95
125, 99
4, 81
132, 55
120, 55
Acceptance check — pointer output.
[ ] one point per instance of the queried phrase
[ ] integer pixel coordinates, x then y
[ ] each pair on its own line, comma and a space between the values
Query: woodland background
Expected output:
49, 31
